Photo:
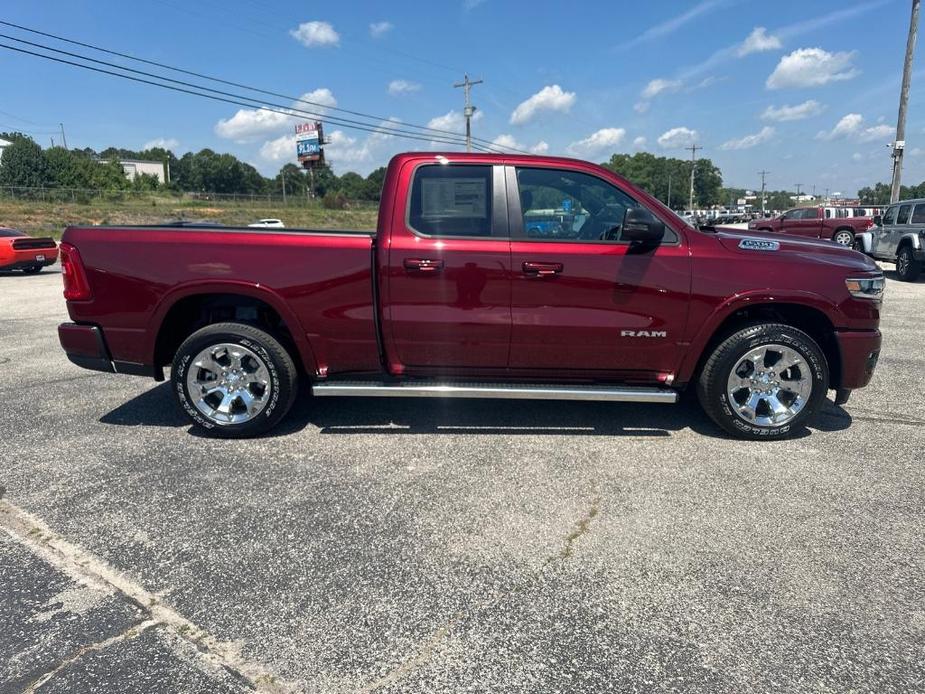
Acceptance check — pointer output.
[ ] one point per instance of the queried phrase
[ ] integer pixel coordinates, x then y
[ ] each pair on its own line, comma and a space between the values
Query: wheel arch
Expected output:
189, 308
809, 315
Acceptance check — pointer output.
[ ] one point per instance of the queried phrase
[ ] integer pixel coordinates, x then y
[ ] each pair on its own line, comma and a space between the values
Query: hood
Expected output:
769, 245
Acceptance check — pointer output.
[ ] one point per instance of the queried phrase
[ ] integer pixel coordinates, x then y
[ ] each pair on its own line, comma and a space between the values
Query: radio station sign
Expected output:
308, 143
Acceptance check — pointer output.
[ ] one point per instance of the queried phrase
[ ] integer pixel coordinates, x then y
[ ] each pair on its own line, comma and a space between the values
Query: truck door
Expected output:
804, 221
447, 295
583, 300
898, 230
881, 235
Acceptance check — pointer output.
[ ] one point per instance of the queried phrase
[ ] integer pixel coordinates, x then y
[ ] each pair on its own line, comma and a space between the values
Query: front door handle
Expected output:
536, 269
423, 264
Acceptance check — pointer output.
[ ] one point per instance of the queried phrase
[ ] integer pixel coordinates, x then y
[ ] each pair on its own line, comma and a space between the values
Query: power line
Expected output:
199, 75
238, 99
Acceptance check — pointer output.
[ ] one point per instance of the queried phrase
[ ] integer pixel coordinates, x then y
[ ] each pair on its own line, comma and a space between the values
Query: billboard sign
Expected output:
308, 143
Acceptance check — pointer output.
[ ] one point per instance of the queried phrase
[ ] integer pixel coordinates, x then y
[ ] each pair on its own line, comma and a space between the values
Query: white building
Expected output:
133, 168
3, 145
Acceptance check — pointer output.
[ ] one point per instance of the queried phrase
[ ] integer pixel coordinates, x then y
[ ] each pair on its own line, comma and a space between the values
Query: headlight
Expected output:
866, 287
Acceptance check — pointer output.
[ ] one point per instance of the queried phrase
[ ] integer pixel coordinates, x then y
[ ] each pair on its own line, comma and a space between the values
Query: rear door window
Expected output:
903, 216
451, 201
918, 214
890, 216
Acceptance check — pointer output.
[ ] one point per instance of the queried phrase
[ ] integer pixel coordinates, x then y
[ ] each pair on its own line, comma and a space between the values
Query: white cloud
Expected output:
549, 98
660, 85
787, 113
749, 141
510, 142
399, 87
852, 126
641, 106
377, 29
811, 67
454, 121
671, 25
848, 125
249, 124
313, 34
170, 143
759, 41
857, 156
677, 137
639, 142
877, 132
469, 5
603, 139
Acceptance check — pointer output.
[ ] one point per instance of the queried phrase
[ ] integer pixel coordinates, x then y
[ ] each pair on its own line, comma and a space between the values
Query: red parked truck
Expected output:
488, 276
817, 223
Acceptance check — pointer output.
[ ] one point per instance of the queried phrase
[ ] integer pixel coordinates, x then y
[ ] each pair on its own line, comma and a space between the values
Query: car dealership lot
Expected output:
428, 546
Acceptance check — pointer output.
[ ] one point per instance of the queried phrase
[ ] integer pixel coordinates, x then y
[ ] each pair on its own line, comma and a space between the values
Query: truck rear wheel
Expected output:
844, 237
764, 381
907, 267
234, 380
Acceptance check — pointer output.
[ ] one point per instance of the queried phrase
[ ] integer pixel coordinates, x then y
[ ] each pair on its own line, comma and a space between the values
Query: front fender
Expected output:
758, 297
255, 291
864, 241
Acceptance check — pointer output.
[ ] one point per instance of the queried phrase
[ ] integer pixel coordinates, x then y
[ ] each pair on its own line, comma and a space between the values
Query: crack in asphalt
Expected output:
424, 652
87, 568
131, 632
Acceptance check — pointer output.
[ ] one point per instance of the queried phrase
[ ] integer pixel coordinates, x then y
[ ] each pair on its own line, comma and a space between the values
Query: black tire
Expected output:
908, 268
280, 392
32, 270
848, 234
712, 385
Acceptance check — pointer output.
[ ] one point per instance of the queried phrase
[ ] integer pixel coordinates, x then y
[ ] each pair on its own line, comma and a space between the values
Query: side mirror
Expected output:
641, 225
878, 220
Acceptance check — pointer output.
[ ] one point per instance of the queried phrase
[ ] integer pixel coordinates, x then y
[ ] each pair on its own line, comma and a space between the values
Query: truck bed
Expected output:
319, 282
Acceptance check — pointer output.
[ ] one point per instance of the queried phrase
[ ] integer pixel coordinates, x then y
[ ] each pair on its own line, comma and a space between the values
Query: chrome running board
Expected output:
417, 389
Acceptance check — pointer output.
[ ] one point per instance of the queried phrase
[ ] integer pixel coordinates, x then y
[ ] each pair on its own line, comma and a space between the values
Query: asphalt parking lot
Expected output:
420, 546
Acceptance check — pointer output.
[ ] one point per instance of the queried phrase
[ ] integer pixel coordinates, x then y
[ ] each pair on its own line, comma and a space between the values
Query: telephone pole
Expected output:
900, 143
693, 148
469, 110
798, 186
762, 173
668, 202
63, 138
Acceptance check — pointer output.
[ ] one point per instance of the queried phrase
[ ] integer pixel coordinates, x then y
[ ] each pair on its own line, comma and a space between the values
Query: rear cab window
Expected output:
451, 201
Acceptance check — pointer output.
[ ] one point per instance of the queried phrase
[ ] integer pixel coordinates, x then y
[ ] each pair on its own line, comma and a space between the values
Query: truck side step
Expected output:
520, 391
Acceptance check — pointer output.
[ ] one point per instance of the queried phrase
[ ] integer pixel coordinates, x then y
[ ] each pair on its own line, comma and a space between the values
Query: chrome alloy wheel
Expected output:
903, 261
770, 385
844, 238
228, 383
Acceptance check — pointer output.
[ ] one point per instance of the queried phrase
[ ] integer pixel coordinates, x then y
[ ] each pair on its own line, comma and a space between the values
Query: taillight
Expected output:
76, 287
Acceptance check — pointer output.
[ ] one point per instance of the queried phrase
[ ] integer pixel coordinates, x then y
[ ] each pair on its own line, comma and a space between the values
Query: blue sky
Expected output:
807, 91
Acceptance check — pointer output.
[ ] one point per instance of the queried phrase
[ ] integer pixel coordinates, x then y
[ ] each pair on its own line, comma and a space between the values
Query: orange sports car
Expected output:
19, 251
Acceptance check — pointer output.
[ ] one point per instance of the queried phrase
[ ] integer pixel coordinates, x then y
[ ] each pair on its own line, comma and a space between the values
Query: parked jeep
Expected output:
898, 236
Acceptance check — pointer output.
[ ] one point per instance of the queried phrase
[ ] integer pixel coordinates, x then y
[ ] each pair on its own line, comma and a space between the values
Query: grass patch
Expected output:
51, 218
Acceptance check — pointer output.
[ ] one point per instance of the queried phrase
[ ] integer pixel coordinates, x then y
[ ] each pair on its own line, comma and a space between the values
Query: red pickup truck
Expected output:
488, 276
817, 223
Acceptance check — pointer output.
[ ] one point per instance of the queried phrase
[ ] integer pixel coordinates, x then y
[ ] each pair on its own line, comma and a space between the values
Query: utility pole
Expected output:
282, 175
63, 138
668, 202
798, 186
900, 143
693, 148
469, 110
762, 173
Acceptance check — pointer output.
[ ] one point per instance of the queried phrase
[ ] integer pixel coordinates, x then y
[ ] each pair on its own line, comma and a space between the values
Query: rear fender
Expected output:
268, 296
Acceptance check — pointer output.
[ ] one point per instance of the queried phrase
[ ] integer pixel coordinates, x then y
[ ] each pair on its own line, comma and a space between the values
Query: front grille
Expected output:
32, 244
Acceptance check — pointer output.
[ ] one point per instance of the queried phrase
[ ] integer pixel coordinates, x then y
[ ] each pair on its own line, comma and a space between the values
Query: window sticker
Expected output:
454, 197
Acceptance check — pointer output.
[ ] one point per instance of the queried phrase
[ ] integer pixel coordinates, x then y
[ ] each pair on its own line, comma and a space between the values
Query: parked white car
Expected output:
269, 224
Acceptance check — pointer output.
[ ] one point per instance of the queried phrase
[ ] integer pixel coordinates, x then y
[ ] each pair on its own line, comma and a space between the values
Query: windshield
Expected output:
6, 233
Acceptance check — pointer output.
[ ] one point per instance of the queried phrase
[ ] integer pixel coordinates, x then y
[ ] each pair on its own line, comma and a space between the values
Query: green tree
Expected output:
23, 162
652, 174
374, 182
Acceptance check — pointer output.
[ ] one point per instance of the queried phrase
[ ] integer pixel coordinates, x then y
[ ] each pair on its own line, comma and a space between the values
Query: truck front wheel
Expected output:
844, 237
234, 380
764, 381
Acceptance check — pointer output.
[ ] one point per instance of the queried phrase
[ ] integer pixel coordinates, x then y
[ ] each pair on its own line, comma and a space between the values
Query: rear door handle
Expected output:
536, 269
423, 264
